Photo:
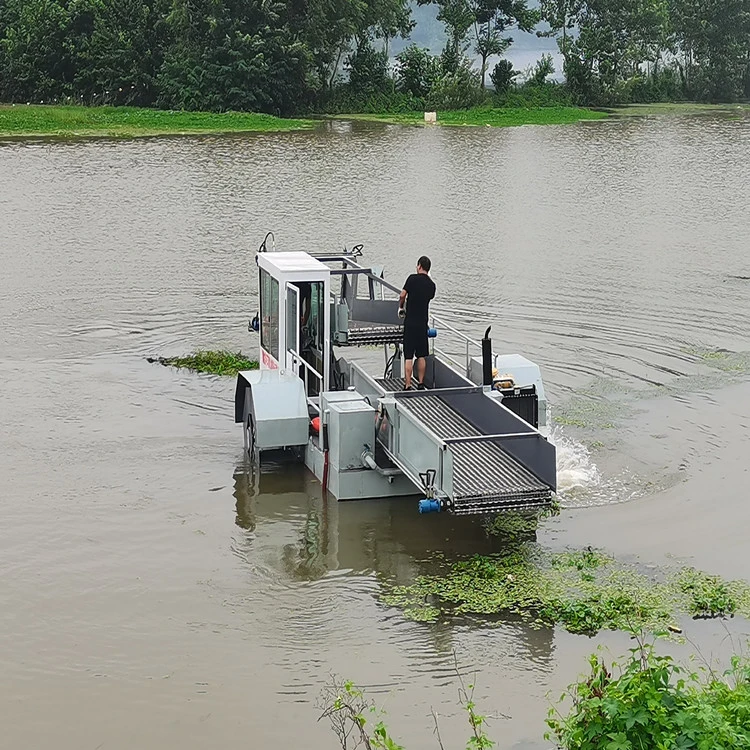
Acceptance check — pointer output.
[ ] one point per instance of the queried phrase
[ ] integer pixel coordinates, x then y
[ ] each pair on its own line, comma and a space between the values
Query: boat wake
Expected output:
577, 474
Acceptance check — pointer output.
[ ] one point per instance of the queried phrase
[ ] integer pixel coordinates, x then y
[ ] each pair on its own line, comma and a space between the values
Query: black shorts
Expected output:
415, 342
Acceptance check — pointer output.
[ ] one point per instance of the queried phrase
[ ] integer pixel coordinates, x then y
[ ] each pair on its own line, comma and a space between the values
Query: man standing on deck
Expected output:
418, 290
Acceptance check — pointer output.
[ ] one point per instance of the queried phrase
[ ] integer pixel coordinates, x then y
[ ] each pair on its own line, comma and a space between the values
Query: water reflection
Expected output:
383, 543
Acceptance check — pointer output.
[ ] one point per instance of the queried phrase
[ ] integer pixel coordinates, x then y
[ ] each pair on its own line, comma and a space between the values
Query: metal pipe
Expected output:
487, 358
369, 462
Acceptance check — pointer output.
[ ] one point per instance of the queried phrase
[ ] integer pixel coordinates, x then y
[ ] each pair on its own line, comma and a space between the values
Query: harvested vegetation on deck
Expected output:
211, 362
21, 120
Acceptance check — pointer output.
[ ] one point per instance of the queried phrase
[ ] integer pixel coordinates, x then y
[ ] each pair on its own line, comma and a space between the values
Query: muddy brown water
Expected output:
157, 592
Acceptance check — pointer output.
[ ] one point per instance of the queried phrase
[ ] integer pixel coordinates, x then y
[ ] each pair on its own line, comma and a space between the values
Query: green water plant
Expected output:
583, 591
213, 362
707, 595
354, 719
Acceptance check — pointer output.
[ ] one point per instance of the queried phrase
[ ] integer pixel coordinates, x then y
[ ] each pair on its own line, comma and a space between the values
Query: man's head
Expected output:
424, 264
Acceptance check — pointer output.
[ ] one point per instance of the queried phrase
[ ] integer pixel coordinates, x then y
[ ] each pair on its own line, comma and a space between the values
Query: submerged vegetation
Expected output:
582, 591
131, 121
212, 362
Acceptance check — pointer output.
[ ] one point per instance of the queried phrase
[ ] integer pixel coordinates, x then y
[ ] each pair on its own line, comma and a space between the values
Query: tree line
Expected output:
296, 56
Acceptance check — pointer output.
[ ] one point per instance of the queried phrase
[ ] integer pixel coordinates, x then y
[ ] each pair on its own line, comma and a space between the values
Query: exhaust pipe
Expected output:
487, 358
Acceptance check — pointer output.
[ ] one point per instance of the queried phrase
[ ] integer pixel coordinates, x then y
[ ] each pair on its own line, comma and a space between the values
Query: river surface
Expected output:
156, 592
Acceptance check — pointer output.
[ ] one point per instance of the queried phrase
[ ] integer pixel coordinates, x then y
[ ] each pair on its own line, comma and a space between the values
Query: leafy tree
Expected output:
458, 17
713, 43
491, 19
544, 68
35, 62
368, 70
117, 46
614, 39
503, 75
231, 54
458, 89
417, 71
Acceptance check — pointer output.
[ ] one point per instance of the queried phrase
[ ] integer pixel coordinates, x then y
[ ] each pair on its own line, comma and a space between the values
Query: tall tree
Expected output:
713, 42
35, 62
606, 42
491, 19
118, 49
231, 54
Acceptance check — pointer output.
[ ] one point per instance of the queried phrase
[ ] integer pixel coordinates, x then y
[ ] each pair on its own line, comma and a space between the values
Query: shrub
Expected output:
459, 90
417, 71
503, 75
368, 71
654, 703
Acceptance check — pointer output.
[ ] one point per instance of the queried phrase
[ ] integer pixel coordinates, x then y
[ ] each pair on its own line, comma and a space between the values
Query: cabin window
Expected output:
269, 312
315, 323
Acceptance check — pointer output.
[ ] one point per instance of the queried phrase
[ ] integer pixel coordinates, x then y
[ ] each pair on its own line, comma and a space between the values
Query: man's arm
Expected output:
404, 294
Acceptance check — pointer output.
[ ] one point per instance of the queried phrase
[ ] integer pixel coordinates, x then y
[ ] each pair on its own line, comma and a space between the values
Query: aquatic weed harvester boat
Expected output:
469, 443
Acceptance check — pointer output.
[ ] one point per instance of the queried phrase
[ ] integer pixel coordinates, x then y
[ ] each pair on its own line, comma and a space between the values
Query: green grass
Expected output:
501, 117
212, 362
21, 121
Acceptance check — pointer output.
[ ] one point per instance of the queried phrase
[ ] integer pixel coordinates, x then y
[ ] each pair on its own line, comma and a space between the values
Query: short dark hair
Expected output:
425, 262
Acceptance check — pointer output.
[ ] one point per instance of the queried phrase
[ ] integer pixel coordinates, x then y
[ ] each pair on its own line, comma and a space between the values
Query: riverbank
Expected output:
31, 121
678, 108
499, 117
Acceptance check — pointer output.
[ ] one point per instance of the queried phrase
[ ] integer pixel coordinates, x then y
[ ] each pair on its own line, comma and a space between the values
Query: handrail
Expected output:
297, 360
440, 323
449, 327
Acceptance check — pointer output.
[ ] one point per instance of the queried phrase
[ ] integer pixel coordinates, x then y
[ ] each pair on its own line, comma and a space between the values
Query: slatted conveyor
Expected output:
484, 475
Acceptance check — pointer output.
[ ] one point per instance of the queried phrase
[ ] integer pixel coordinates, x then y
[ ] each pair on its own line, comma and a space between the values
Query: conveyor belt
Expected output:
362, 335
485, 477
391, 385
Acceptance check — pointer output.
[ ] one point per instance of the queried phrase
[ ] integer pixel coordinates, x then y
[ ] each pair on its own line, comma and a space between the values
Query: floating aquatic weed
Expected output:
513, 526
584, 591
707, 595
213, 362
729, 362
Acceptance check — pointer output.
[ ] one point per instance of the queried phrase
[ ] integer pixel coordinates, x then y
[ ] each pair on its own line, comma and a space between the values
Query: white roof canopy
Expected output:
291, 264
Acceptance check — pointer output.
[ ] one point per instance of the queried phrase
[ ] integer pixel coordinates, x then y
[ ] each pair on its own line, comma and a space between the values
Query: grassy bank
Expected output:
500, 117
22, 121
211, 362
678, 108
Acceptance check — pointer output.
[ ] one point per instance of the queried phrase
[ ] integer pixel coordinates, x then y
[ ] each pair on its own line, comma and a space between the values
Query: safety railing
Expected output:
466, 341
295, 361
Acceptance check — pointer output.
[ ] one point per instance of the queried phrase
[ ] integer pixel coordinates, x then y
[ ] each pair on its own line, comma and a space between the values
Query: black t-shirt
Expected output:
420, 289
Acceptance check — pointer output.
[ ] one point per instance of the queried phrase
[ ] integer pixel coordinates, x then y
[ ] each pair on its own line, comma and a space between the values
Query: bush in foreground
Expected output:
653, 704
